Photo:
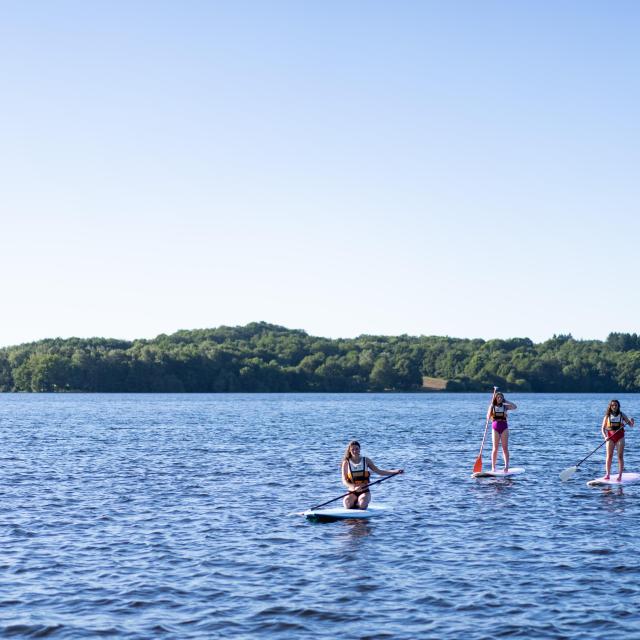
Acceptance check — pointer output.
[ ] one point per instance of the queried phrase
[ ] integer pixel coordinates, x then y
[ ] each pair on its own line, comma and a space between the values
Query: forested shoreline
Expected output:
261, 357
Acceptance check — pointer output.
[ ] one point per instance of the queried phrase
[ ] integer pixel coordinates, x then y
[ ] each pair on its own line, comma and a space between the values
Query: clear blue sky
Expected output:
344, 167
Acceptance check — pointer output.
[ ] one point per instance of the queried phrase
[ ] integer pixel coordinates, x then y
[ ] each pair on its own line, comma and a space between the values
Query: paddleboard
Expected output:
627, 478
340, 513
514, 471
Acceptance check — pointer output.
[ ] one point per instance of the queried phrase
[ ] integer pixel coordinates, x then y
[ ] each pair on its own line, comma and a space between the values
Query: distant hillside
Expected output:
261, 357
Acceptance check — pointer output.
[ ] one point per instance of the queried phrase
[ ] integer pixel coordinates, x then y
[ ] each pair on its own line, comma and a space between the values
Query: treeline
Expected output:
262, 357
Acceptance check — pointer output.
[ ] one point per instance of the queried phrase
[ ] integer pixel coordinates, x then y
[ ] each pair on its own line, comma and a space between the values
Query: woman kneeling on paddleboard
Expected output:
499, 428
613, 432
355, 474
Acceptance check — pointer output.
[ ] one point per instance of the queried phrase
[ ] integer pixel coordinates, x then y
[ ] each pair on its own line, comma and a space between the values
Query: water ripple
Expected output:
137, 516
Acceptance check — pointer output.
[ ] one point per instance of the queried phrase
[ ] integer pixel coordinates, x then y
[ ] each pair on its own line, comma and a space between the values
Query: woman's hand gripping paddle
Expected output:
477, 467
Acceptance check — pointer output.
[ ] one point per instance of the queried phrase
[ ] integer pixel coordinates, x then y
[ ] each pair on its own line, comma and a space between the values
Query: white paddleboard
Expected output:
340, 513
627, 478
514, 471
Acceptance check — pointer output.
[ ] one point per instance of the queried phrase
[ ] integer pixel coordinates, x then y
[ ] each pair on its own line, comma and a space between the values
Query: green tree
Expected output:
382, 375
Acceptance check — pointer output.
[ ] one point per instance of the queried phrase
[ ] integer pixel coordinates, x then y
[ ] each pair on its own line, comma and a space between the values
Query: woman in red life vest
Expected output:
497, 413
613, 432
355, 474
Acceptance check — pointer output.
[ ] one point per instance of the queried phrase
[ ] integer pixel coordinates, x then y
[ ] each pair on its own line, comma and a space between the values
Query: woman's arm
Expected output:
509, 405
629, 421
603, 427
382, 472
345, 477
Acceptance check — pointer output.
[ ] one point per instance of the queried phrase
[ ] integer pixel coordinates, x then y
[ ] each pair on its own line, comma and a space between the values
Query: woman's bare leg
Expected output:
349, 501
363, 500
505, 448
495, 439
620, 444
607, 462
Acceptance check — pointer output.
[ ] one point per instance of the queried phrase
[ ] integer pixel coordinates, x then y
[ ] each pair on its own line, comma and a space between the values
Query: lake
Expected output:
138, 516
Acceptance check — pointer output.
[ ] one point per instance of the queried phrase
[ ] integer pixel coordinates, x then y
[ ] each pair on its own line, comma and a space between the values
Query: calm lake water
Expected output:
139, 516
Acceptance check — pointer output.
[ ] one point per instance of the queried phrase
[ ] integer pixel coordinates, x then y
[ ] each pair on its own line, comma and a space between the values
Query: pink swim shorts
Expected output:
499, 425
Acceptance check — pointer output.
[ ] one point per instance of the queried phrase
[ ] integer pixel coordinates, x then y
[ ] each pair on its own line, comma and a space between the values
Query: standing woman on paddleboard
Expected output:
355, 474
497, 413
613, 432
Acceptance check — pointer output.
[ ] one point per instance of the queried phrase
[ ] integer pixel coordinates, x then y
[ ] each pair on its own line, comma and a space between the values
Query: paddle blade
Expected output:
477, 467
568, 473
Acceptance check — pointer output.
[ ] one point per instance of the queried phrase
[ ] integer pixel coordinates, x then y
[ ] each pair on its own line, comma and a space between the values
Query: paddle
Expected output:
477, 467
568, 473
344, 495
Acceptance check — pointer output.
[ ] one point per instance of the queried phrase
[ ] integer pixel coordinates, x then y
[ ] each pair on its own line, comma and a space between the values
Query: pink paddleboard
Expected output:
627, 478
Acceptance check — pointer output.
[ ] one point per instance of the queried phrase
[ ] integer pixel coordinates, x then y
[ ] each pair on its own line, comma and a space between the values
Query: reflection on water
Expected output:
353, 530
613, 498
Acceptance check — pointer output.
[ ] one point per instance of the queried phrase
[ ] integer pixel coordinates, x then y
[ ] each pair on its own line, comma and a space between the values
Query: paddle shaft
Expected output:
356, 491
484, 435
567, 473
602, 443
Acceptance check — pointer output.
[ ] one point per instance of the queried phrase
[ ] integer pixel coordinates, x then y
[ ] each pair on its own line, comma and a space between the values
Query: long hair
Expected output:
610, 410
347, 452
495, 398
